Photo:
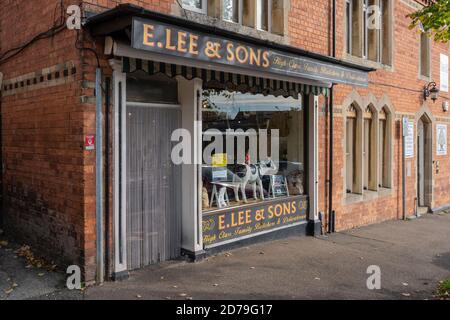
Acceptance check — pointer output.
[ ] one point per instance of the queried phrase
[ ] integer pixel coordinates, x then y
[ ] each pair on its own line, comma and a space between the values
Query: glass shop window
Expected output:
145, 88
253, 148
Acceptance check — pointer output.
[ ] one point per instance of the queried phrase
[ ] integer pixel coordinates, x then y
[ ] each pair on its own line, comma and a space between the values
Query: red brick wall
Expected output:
49, 180
404, 89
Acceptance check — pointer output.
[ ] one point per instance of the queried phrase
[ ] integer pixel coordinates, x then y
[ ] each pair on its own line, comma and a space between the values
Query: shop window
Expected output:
253, 148
353, 150
384, 149
425, 55
369, 150
195, 5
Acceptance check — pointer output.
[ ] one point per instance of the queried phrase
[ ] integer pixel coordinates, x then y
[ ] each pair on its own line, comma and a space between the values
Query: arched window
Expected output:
353, 149
384, 151
370, 149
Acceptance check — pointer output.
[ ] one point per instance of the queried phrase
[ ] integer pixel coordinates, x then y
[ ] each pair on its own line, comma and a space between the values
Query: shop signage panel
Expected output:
172, 40
234, 223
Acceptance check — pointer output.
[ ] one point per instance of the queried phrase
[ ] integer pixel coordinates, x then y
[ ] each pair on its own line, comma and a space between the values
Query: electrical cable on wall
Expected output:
55, 29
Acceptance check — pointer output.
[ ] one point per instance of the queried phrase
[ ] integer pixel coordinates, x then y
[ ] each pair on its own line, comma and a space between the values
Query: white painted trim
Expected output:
152, 105
119, 77
313, 153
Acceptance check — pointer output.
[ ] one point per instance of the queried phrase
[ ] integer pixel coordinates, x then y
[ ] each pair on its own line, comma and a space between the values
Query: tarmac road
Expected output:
413, 256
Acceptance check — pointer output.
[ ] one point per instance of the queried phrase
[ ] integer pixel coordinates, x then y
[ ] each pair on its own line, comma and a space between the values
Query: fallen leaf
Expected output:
9, 291
182, 294
252, 267
138, 296
189, 298
405, 284
175, 287
41, 274
316, 278
215, 285
14, 285
406, 294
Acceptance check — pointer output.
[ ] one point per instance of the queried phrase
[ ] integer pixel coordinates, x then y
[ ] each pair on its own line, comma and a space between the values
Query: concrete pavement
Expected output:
413, 257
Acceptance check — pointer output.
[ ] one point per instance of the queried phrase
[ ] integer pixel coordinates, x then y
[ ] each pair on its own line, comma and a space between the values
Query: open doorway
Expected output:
424, 163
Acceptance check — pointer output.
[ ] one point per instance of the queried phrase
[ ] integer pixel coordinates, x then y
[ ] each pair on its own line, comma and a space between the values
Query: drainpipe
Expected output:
99, 176
331, 214
107, 176
1, 155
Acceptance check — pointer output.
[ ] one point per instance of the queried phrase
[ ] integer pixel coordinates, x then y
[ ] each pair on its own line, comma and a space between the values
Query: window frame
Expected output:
258, 20
240, 12
357, 42
349, 26
203, 9
421, 75
385, 148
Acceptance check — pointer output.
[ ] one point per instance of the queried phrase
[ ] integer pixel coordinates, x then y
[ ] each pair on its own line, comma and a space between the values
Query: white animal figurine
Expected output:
267, 168
251, 175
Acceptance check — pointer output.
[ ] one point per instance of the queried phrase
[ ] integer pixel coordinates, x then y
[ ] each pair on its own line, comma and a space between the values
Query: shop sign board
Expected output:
234, 223
162, 38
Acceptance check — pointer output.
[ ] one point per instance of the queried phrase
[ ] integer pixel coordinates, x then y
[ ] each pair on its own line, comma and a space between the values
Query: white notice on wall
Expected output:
444, 73
409, 141
441, 139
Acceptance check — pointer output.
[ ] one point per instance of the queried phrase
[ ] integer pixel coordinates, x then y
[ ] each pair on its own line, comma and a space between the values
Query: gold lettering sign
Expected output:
181, 42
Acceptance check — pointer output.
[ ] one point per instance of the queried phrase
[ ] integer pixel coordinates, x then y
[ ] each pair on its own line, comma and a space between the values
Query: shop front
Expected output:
215, 137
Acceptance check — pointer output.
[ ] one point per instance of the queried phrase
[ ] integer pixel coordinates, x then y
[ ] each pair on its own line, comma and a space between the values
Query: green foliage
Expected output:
435, 19
444, 289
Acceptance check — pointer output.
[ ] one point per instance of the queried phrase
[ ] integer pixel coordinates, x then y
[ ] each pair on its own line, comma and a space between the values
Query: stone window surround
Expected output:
364, 61
236, 27
362, 104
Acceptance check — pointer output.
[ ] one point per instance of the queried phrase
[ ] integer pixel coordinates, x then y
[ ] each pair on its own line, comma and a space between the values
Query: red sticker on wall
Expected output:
89, 142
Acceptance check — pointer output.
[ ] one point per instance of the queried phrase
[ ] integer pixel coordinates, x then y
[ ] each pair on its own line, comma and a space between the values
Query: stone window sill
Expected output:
230, 26
366, 63
368, 195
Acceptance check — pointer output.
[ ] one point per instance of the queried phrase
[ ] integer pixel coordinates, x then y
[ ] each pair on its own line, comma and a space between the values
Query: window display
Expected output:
253, 148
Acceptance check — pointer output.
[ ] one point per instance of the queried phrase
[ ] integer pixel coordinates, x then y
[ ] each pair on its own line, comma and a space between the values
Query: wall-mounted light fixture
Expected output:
431, 91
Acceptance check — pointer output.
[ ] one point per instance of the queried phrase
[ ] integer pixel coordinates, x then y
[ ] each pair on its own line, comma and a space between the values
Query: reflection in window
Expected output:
263, 14
231, 10
259, 148
195, 5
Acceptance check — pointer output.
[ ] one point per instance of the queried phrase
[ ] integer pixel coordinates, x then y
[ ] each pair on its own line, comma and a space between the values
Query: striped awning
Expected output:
224, 80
